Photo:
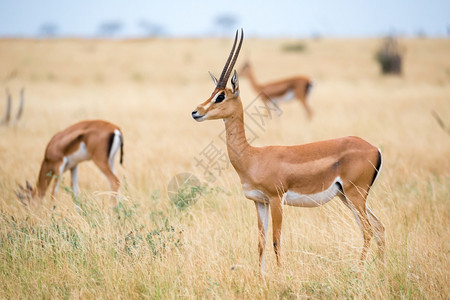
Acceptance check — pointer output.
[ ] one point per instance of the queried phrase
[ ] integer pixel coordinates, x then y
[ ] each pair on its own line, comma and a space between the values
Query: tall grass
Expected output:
147, 247
210, 251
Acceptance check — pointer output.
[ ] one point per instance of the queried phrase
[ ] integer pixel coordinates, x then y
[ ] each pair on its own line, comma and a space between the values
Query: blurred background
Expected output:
286, 18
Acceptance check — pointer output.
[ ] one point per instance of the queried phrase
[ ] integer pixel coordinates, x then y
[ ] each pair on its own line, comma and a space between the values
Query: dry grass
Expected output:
147, 248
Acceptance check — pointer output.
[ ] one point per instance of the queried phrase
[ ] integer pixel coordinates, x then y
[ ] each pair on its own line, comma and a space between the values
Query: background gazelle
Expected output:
297, 87
94, 140
306, 175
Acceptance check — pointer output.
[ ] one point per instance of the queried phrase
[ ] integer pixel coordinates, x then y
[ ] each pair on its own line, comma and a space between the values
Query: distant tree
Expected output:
226, 23
151, 29
48, 30
109, 28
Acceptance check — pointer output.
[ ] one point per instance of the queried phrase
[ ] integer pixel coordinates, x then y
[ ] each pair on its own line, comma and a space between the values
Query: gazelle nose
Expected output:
194, 113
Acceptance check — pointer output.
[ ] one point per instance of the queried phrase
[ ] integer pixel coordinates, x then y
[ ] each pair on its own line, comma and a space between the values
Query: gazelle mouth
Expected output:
198, 117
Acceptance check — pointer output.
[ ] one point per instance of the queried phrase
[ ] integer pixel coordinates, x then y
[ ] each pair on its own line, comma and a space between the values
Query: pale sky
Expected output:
286, 18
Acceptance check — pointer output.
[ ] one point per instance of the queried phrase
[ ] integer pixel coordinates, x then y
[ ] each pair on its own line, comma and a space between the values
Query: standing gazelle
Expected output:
95, 140
305, 175
297, 87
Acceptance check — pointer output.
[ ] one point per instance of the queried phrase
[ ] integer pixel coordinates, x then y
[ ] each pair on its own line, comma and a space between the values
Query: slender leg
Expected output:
307, 108
276, 210
56, 184
262, 210
58, 175
113, 180
356, 201
74, 174
300, 95
379, 232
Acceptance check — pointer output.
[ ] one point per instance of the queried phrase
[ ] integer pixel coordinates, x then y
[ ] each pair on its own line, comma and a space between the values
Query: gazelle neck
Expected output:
43, 181
252, 79
237, 144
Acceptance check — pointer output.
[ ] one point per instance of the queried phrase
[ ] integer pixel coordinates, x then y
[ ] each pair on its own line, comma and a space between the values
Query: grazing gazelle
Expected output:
6, 119
95, 140
305, 175
282, 90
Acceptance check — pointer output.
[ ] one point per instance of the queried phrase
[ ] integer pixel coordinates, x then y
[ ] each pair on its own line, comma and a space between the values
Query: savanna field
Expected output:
149, 247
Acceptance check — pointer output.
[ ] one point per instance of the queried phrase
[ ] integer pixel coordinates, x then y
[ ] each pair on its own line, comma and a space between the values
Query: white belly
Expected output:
78, 156
296, 199
313, 200
289, 95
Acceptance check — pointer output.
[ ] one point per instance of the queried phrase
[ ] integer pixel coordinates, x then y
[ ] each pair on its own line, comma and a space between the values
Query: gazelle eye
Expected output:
220, 98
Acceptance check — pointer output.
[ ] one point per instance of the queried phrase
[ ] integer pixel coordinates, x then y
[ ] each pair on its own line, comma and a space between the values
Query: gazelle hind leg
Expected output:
112, 178
379, 232
356, 202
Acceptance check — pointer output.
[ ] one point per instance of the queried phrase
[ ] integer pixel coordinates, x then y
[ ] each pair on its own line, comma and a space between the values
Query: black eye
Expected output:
220, 98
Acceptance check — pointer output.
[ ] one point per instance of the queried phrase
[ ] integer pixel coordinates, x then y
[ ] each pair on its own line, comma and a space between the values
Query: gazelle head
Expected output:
223, 101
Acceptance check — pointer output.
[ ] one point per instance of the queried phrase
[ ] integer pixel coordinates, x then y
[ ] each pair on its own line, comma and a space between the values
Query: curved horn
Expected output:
225, 68
234, 58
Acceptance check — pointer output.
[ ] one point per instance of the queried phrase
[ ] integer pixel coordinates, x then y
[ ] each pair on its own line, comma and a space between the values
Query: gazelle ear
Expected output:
235, 83
213, 78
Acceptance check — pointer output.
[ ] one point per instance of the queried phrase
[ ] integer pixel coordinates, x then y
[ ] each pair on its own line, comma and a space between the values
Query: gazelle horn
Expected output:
229, 67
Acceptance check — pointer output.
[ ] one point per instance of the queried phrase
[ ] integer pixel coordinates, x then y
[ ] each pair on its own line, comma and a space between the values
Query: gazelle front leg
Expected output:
262, 211
74, 175
301, 95
276, 209
58, 175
